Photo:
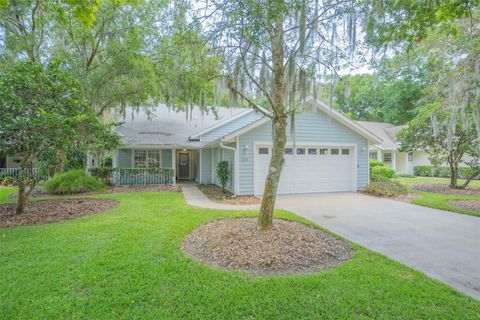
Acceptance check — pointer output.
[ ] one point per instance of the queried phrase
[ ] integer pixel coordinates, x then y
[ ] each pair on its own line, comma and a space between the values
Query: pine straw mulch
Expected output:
472, 205
216, 194
288, 248
445, 189
38, 193
48, 211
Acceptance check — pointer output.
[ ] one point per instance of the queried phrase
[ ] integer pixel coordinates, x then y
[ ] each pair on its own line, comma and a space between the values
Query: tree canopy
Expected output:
44, 115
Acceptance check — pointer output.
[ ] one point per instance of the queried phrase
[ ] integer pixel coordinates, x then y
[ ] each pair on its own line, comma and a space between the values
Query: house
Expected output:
330, 153
389, 152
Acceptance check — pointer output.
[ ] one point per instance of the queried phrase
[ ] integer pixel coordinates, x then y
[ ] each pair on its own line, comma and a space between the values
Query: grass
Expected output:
127, 264
437, 200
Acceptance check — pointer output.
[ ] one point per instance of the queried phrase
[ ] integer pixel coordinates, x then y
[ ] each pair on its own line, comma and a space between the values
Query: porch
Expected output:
137, 165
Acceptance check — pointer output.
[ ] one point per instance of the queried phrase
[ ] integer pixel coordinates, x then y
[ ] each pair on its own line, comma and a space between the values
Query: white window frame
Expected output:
391, 157
146, 157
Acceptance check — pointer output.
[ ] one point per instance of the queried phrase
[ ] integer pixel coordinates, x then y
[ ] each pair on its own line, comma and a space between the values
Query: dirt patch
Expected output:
289, 248
216, 194
38, 193
407, 198
48, 211
444, 189
472, 205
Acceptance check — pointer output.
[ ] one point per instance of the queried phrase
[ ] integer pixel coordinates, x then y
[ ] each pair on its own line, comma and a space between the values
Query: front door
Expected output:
184, 166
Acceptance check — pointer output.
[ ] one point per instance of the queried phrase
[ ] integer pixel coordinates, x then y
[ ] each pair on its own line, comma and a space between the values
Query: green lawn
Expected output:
439, 201
127, 264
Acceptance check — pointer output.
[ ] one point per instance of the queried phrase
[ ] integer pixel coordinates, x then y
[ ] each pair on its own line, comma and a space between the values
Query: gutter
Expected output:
236, 163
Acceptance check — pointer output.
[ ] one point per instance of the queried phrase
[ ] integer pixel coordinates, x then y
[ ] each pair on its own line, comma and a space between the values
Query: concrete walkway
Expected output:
196, 198
444, 245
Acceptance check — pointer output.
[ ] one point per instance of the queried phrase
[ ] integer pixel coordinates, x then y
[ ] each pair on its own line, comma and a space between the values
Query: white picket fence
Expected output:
14, 173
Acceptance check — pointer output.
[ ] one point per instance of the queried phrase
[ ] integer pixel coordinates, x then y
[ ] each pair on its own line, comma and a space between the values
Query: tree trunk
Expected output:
22, 195
453, 175
265, 220
279, 119
469, 178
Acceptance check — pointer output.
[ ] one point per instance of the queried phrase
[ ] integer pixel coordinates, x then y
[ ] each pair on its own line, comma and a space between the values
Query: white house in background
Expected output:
330, 153
388, 151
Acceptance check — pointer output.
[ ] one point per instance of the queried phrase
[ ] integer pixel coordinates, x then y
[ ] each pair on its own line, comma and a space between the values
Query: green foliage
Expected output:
447, 135
442, 172
103, 173
382, 171
384, 187
71, 182
375, 163
223, 173
368, 97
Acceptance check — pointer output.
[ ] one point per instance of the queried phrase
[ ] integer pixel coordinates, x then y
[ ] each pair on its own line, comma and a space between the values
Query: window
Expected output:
387, 157
345, 152
288, 151
140, 158
262, 150
312, 151
301, 151
410, 156
373, 155
334, 151
323, 151
153, 157
146, 158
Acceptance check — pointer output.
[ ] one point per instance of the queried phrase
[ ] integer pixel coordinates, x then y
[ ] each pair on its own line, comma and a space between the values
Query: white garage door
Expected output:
308, 169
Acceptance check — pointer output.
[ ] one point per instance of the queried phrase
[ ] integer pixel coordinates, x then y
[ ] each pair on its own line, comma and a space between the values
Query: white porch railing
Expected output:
139, 176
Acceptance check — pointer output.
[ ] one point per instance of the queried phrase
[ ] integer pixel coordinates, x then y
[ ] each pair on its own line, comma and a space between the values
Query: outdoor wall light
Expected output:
245, 149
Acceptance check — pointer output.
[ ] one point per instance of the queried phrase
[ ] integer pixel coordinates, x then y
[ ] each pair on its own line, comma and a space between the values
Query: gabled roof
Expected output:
322, 106
163, 126
386, 131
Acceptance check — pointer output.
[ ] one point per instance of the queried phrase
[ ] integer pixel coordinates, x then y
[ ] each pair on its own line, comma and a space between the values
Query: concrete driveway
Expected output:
444, 245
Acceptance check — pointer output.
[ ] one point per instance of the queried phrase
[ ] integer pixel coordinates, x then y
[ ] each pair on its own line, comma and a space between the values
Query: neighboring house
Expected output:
388, 151
330, 153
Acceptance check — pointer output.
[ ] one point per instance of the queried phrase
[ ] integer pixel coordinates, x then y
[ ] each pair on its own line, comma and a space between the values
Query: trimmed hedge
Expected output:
383, 172
378, 169
74, 181
441, 172
384, 187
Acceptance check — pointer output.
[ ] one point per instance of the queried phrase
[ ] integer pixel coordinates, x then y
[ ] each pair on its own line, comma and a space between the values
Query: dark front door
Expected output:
3, 161
184, 166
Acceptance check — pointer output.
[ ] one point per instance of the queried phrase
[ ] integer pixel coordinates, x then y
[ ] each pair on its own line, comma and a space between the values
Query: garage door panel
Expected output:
308, 173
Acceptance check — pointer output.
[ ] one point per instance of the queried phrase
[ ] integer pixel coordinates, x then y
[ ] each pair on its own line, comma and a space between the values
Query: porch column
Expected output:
174, 165
394, 162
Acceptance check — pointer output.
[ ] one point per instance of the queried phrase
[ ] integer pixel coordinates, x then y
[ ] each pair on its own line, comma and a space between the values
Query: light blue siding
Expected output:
311, 127
232, 126
206, 163
209, 166
124, 158
167, 158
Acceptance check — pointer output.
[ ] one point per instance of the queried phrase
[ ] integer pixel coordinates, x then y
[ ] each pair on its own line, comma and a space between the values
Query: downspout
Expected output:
236, 164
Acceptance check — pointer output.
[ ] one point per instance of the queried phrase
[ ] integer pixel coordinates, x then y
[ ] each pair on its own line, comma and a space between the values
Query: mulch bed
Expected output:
472, 205
38, 193
444, 189
216, 194
288, 248
48, 211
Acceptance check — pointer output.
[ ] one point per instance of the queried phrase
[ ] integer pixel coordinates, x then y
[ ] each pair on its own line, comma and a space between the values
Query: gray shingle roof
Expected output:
386, 131
164, 126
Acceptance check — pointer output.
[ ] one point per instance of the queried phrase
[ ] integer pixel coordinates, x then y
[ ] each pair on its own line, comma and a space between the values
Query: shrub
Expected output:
223, 173
441, 172
75, 181
375, 163
384, 187
103, 173
380, 171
